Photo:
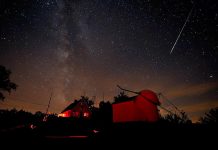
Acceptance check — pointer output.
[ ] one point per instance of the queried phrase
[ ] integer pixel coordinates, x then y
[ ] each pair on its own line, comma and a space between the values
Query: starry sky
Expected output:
86, 47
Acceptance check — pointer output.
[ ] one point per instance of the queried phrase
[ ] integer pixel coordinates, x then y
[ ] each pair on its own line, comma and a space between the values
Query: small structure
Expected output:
142, 107
77, 109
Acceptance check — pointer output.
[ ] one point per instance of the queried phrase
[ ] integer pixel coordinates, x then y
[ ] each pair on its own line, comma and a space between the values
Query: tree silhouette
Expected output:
86, 99
211, 117
5, 82
105, 109
181, 118
121, 97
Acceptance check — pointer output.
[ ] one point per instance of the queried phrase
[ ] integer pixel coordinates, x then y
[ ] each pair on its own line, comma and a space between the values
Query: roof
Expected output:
70, 106
146, 94
74, 104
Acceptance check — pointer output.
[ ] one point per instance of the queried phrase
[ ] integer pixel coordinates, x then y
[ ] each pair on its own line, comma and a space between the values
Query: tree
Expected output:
121, 97
5, 83
181, 118
210, 117
105, 113
85, 99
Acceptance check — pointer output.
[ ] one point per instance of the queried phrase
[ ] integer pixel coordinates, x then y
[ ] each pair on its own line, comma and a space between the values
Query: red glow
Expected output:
65, 114
81, 109
68, 137
95, 131
139, 109
75, 114
86, 114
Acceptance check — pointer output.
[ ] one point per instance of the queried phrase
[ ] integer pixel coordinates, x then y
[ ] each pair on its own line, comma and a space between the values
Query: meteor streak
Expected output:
181, 30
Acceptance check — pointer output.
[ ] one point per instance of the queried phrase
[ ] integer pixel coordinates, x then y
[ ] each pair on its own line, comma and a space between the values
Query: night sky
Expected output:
87, 47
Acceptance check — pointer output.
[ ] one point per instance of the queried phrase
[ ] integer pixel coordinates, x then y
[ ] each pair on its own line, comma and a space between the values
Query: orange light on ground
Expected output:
86, 114
62, 115
68, 137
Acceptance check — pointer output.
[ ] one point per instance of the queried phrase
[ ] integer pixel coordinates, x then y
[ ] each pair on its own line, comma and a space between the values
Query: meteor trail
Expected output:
181, 30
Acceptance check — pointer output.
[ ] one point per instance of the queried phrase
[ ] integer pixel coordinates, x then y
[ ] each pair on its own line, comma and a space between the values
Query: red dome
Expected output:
150, 95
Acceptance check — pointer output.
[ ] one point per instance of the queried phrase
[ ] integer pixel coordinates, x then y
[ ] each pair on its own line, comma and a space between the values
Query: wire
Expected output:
166, 99
166, 109
146, 99
127, 90
23, 101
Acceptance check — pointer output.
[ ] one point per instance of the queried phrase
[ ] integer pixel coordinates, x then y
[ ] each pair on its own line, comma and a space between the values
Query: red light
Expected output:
86, 114
62, 115
95, 131
68, 137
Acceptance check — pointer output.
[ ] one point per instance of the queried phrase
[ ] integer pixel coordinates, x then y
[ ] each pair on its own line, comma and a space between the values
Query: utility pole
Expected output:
49, 102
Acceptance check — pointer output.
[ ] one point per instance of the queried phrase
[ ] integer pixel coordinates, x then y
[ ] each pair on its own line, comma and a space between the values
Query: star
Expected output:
203, 53
75, 46
211, 76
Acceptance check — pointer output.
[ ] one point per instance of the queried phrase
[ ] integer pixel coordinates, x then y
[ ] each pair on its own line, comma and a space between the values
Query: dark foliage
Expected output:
5, 83
181, 118
86, 99
13, 118
105, 111
211, 117
121, 97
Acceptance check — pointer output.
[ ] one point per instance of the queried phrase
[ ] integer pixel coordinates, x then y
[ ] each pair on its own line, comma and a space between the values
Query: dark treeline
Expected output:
12, 118
101, 116
25, 128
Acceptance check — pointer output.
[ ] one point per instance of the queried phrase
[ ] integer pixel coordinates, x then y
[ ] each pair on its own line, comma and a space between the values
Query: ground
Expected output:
122, 135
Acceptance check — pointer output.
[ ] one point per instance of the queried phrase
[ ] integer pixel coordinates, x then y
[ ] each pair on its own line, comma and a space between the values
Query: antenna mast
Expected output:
49, 102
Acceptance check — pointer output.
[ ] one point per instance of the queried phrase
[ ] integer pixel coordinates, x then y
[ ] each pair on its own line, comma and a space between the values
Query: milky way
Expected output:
88, 47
